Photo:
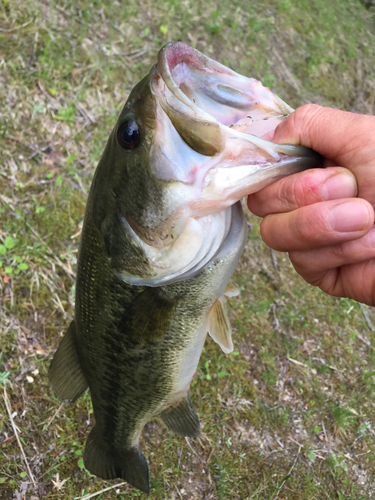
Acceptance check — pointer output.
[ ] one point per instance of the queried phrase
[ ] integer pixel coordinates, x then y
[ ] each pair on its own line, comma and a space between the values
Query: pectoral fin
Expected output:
181, 418
65, 373
219, 325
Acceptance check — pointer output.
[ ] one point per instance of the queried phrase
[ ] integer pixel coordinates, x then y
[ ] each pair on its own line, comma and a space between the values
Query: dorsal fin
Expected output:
219, 326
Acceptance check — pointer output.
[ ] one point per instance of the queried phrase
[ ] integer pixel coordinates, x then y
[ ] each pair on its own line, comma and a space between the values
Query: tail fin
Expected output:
129, 464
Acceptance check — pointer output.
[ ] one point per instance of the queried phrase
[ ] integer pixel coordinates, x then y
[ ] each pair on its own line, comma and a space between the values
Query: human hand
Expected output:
324, 218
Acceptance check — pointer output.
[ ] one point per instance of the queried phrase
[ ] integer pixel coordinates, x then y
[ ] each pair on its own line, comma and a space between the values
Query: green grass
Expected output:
289, 414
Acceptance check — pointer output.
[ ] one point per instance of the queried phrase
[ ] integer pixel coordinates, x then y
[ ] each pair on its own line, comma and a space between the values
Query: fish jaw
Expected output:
222, 124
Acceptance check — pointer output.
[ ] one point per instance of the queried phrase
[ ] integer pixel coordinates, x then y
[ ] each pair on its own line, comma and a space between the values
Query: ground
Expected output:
290, 413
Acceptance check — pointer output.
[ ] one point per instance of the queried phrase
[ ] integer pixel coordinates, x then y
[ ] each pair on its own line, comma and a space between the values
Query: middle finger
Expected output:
318, 225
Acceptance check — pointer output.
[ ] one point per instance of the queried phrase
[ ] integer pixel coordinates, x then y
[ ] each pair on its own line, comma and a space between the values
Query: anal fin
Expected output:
219, 325
181, 418
109, 463
65, 373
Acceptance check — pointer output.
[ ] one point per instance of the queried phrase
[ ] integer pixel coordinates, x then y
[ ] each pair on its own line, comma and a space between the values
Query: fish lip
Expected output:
201, 131
174, 53
164, 65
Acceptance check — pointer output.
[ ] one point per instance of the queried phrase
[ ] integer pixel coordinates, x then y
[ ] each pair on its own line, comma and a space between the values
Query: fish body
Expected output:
162, 234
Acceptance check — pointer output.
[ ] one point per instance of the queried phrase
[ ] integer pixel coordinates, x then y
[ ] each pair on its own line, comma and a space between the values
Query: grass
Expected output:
289, 414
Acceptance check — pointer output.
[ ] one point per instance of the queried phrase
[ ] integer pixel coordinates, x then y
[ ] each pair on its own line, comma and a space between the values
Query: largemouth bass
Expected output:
162, 234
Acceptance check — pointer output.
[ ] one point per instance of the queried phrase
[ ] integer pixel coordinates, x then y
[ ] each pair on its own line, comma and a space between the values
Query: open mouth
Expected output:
225, 116
206, 91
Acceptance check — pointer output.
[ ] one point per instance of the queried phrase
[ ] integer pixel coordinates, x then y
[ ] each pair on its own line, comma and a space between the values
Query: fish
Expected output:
162, 234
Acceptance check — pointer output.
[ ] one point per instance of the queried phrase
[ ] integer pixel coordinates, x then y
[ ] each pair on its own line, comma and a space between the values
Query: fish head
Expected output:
123, 181
191, 141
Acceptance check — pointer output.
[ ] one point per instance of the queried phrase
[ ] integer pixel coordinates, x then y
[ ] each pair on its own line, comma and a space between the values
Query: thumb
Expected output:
330, 132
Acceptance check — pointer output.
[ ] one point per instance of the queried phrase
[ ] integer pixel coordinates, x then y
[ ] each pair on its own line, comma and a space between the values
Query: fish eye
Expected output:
128, 134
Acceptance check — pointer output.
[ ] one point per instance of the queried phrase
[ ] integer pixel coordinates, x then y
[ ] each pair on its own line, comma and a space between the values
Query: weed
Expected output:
337, 464
13, 263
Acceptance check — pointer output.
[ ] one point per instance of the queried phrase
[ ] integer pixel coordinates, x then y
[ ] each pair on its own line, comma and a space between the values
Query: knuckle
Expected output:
306, 112
304, 120
339, 253
299, 261
302, 189
268, 232
291, 193
310, 226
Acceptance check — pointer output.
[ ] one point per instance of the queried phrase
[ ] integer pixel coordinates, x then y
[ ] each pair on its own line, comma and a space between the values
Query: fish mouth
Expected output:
228, 117
211, 95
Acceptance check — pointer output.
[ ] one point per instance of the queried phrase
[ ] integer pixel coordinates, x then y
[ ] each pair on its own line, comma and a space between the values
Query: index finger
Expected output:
302, 189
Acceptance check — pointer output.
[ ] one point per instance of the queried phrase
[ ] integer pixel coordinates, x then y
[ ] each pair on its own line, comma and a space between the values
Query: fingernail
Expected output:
350, 216
339, 186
